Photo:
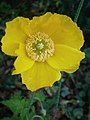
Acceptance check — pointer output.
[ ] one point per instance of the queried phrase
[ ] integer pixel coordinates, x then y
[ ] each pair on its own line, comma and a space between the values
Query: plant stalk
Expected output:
78, 10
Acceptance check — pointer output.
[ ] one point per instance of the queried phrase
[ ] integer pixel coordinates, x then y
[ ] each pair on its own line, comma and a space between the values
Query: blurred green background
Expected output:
18, 103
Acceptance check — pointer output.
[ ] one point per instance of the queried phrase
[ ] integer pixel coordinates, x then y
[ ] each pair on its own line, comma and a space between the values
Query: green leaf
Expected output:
25, 115
16, 103
22, 108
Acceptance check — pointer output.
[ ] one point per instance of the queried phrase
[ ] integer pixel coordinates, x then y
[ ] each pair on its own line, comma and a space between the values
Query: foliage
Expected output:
24, 108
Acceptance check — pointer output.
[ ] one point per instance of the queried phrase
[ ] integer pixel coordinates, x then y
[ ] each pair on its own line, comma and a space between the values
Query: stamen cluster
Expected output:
39, 47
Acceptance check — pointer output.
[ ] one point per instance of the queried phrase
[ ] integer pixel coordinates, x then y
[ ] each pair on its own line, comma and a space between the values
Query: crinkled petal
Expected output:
66, 58
13, 36
35, 25
40, 75
63, 30
52, 24
23, 62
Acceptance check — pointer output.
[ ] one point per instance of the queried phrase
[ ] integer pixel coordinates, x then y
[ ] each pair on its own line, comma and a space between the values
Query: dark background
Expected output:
15, 99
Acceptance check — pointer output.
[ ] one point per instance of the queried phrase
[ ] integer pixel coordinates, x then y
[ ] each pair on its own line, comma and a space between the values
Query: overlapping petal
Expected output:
13, 35
9, 47
66, 58
23, 62
63, 30
60, 28
35, 25
40, 75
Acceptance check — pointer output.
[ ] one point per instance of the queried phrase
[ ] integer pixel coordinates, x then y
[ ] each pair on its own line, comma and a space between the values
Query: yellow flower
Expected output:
44, 46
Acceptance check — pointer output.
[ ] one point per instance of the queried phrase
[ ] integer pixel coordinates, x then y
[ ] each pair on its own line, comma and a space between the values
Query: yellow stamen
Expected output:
39, 47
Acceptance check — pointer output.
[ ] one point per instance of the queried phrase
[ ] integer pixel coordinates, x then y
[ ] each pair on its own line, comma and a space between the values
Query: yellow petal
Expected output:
43, 18
52, 24
13, 36
14, 30
23, 62
63, 30
9, 47
60, 28
39, 76
35, 25
66, 58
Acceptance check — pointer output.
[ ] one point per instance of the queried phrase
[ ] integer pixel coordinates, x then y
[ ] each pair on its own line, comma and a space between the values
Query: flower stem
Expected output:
30, 104
32, 99
58, 97
78, 10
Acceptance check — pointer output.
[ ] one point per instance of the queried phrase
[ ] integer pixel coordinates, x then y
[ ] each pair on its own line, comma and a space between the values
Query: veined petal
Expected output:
35, 25
13, 36
40, 75
63, 30
23, 62
66, 58
52, 24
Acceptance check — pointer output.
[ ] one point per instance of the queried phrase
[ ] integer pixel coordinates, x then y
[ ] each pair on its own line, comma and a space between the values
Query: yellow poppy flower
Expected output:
44, 46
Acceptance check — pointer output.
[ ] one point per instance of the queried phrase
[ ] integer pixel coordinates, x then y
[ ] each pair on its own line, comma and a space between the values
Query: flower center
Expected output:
39, 47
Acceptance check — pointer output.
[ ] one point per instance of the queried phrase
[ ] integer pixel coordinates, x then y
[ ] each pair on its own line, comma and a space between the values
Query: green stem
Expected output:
78, 10
30, 104
58, 97
39, 102
32, 99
